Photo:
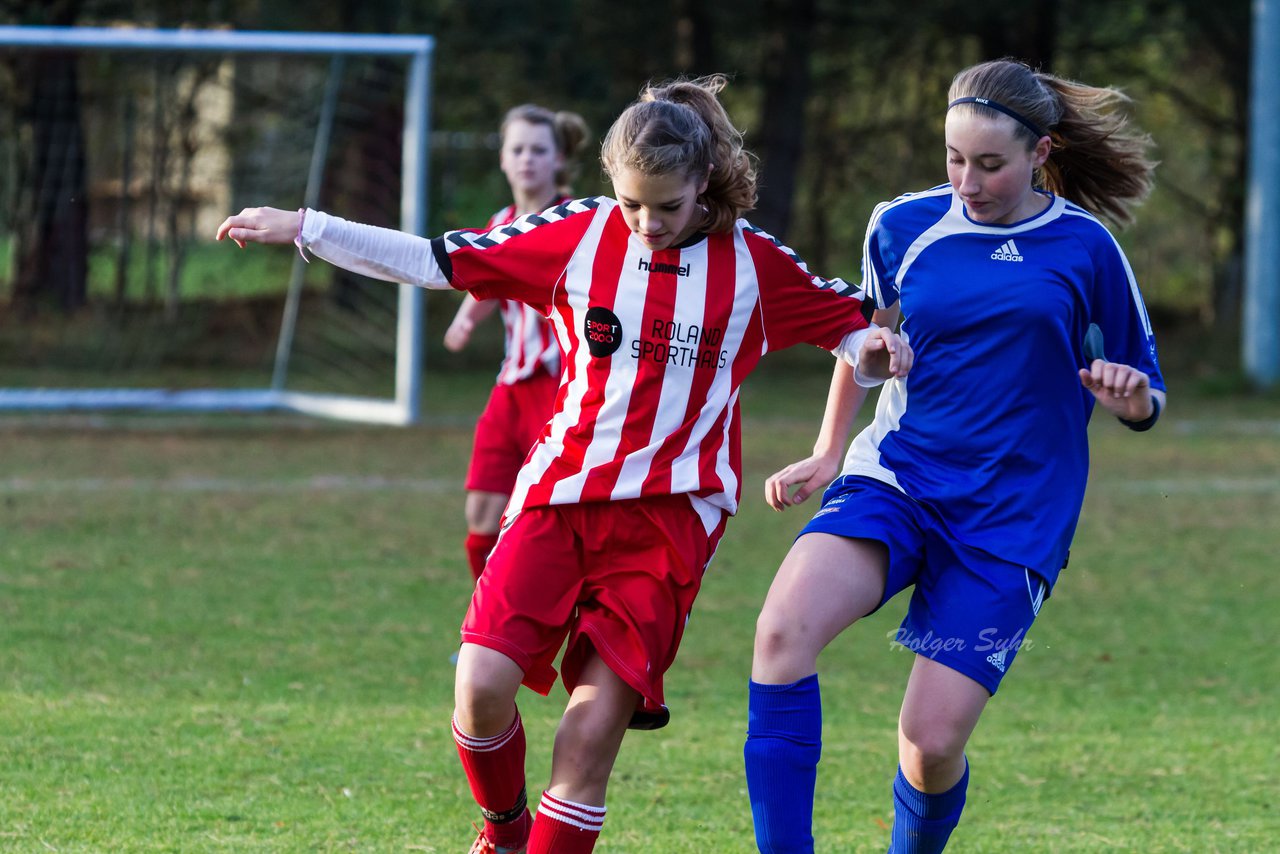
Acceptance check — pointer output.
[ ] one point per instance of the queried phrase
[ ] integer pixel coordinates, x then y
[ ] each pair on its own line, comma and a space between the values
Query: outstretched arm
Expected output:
380, 253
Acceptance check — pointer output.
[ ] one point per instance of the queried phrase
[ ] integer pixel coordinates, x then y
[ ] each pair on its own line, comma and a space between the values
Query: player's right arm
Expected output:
380, 253
521, 261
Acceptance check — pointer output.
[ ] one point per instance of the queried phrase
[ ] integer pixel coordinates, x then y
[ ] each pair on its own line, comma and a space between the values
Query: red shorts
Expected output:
614, 577
512, 421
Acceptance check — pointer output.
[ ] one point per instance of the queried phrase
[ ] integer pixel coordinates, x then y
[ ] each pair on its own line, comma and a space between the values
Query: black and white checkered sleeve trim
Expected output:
837, 285
452, 241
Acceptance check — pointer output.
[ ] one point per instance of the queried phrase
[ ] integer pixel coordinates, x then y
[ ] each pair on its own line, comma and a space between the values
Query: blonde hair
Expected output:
681, 126
1098, 158
569, 130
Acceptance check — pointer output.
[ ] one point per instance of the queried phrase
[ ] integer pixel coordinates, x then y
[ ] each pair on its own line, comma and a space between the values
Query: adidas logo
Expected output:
996, 659
1007, 252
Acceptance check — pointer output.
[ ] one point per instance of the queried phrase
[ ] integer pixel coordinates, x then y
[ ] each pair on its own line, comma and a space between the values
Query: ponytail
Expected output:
681, 126
1098, 158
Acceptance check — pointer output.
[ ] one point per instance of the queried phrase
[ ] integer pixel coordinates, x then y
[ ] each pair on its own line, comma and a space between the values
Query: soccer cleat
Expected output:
484, 845
650, 718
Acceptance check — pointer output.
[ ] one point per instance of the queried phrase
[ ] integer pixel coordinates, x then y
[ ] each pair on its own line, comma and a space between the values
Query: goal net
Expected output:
121, 151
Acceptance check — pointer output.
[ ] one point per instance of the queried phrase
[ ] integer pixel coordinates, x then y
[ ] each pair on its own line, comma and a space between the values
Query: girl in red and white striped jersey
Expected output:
663, 301
538, 154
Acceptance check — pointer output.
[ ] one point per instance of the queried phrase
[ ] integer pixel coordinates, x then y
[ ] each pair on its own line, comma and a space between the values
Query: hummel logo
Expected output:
996, 660
1007, 252
659, 267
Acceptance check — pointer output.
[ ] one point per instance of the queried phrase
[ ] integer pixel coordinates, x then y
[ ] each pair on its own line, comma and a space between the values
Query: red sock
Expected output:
495, 772
478, 548
563, 827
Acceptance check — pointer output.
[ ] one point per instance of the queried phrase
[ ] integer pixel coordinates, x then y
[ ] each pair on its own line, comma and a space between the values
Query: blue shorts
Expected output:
970, 610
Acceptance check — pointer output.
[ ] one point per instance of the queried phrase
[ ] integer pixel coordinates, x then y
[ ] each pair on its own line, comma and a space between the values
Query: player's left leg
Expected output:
572, 809
824, 585
939, 712
968, 619
855, 554
484, 518
509, 424
491, 744
516, 622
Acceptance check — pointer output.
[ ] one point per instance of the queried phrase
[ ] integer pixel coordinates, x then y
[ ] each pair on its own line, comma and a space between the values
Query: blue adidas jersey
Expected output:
989, 428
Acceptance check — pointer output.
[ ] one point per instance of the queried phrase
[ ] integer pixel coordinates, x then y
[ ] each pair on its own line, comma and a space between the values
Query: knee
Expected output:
483, 511
483, 520
483, 704
774, 636
781, 647
926, 748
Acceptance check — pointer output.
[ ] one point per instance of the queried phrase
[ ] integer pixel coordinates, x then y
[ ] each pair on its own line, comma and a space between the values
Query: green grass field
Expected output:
232, 634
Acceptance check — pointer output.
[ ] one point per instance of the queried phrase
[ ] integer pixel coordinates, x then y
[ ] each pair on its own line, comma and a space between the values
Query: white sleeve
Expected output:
381, 253
848, 349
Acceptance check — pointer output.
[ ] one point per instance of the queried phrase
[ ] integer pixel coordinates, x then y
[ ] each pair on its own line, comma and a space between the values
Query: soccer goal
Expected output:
120, 152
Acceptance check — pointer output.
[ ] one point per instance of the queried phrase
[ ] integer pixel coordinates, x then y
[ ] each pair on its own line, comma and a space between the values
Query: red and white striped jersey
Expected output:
656, 345
527, 338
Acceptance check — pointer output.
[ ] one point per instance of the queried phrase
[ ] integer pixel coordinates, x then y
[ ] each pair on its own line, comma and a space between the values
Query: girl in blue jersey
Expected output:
1024, 315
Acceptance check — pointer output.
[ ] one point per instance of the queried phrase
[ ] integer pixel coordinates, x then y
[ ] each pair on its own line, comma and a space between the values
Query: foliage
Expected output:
871, 125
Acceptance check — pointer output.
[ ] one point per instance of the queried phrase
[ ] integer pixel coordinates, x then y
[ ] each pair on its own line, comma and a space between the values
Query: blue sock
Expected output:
922, 823
784, 743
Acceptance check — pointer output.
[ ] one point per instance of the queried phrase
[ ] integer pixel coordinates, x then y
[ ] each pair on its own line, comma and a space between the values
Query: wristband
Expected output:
297, 239
1146, 423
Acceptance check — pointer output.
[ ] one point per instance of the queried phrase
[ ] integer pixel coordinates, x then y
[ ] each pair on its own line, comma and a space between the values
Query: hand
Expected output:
811, 474
884, 354
260, 225
458, 334
1123, 391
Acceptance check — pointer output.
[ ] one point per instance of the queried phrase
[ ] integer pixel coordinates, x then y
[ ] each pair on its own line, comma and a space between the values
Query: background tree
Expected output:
785, 83
49, 218
840, 100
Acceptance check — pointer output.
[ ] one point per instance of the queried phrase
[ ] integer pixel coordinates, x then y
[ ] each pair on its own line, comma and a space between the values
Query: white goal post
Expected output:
400, 409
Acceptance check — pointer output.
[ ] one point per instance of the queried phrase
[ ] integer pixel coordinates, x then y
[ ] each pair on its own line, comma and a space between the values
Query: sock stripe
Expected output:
486, 745
581, 816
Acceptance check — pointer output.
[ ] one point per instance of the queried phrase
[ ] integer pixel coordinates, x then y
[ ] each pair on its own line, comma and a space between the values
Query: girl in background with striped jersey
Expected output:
1024, 314
663, 300
538, 157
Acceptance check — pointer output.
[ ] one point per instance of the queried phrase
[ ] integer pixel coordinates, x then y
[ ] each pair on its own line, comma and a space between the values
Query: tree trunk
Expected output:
789, 32
52, 245
124, 224
181, 215
693, 53
1028, 33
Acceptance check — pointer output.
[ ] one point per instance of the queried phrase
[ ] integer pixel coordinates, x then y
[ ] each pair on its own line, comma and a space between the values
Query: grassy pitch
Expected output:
232, 634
